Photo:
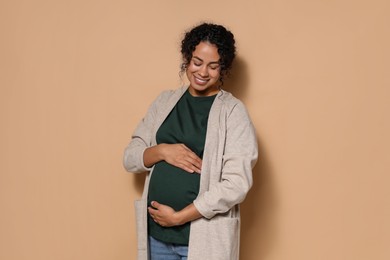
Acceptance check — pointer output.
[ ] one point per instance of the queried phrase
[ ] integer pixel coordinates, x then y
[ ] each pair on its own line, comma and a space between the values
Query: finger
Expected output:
152, 212
191, 154
194, 164
195, 159
188, 161
185, 147
197, 162
187, 166
193, 168
155, 204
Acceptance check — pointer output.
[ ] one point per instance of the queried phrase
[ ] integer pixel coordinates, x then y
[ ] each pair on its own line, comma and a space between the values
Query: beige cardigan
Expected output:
226, 176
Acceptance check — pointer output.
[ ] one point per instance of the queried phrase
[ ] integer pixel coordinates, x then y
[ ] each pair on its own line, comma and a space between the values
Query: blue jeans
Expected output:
166, 251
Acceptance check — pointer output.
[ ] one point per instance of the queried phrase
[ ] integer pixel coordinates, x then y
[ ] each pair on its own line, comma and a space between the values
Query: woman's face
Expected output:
203, 70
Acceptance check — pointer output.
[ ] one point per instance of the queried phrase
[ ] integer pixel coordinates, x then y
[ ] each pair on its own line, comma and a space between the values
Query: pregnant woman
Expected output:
199, 146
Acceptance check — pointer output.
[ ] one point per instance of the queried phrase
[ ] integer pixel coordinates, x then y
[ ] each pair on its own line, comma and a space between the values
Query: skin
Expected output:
203, 70
203, 73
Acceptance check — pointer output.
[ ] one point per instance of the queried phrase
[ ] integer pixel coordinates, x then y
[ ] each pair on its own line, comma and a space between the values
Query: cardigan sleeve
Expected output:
142, 138
240, 156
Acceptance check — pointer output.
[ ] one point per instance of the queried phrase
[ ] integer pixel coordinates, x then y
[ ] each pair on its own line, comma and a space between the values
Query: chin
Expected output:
200, 89
204, 90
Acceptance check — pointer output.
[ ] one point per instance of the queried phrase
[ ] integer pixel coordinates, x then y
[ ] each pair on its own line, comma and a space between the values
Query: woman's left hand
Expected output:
163, 215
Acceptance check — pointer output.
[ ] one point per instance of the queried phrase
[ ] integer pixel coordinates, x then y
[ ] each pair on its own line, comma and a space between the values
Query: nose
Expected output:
203, 71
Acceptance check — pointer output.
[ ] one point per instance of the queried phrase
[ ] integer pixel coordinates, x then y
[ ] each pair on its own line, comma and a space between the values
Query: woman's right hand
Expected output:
177, 155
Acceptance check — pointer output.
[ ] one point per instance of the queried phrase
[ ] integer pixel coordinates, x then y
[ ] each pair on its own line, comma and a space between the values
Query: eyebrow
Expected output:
213, 62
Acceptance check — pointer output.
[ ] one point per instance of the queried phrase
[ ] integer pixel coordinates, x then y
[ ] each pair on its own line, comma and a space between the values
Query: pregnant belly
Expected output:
173, 186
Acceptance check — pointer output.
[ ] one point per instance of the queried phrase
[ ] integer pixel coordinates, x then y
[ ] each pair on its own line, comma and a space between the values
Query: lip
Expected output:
201, 81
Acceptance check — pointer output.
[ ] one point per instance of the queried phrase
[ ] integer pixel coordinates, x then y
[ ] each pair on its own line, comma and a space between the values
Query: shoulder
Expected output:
232, 104
165, 96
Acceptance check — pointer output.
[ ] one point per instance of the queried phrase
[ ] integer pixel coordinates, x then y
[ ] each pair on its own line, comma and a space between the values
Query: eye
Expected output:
214, 67
196, 62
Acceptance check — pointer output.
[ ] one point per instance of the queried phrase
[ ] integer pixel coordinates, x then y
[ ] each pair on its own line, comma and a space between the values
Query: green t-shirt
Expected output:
170, 185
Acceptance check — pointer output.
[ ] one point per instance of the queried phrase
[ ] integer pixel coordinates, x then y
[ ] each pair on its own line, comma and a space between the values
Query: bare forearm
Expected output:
188, 214
168, 217
152, 155
177, 155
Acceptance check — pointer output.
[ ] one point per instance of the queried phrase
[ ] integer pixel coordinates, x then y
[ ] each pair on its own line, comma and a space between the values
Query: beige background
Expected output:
77, 76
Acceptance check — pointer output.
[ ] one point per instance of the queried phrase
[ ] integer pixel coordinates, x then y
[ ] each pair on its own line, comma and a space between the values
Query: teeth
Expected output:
200, 80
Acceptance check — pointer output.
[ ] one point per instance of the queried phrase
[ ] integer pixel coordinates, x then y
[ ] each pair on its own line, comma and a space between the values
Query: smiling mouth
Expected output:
201, 81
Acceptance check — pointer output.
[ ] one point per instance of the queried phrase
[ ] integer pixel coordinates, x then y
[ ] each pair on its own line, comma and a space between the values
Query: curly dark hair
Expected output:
214, 34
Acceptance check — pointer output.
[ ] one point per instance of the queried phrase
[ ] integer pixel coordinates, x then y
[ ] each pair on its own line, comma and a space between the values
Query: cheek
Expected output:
188, 73
215, 74
191, 68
